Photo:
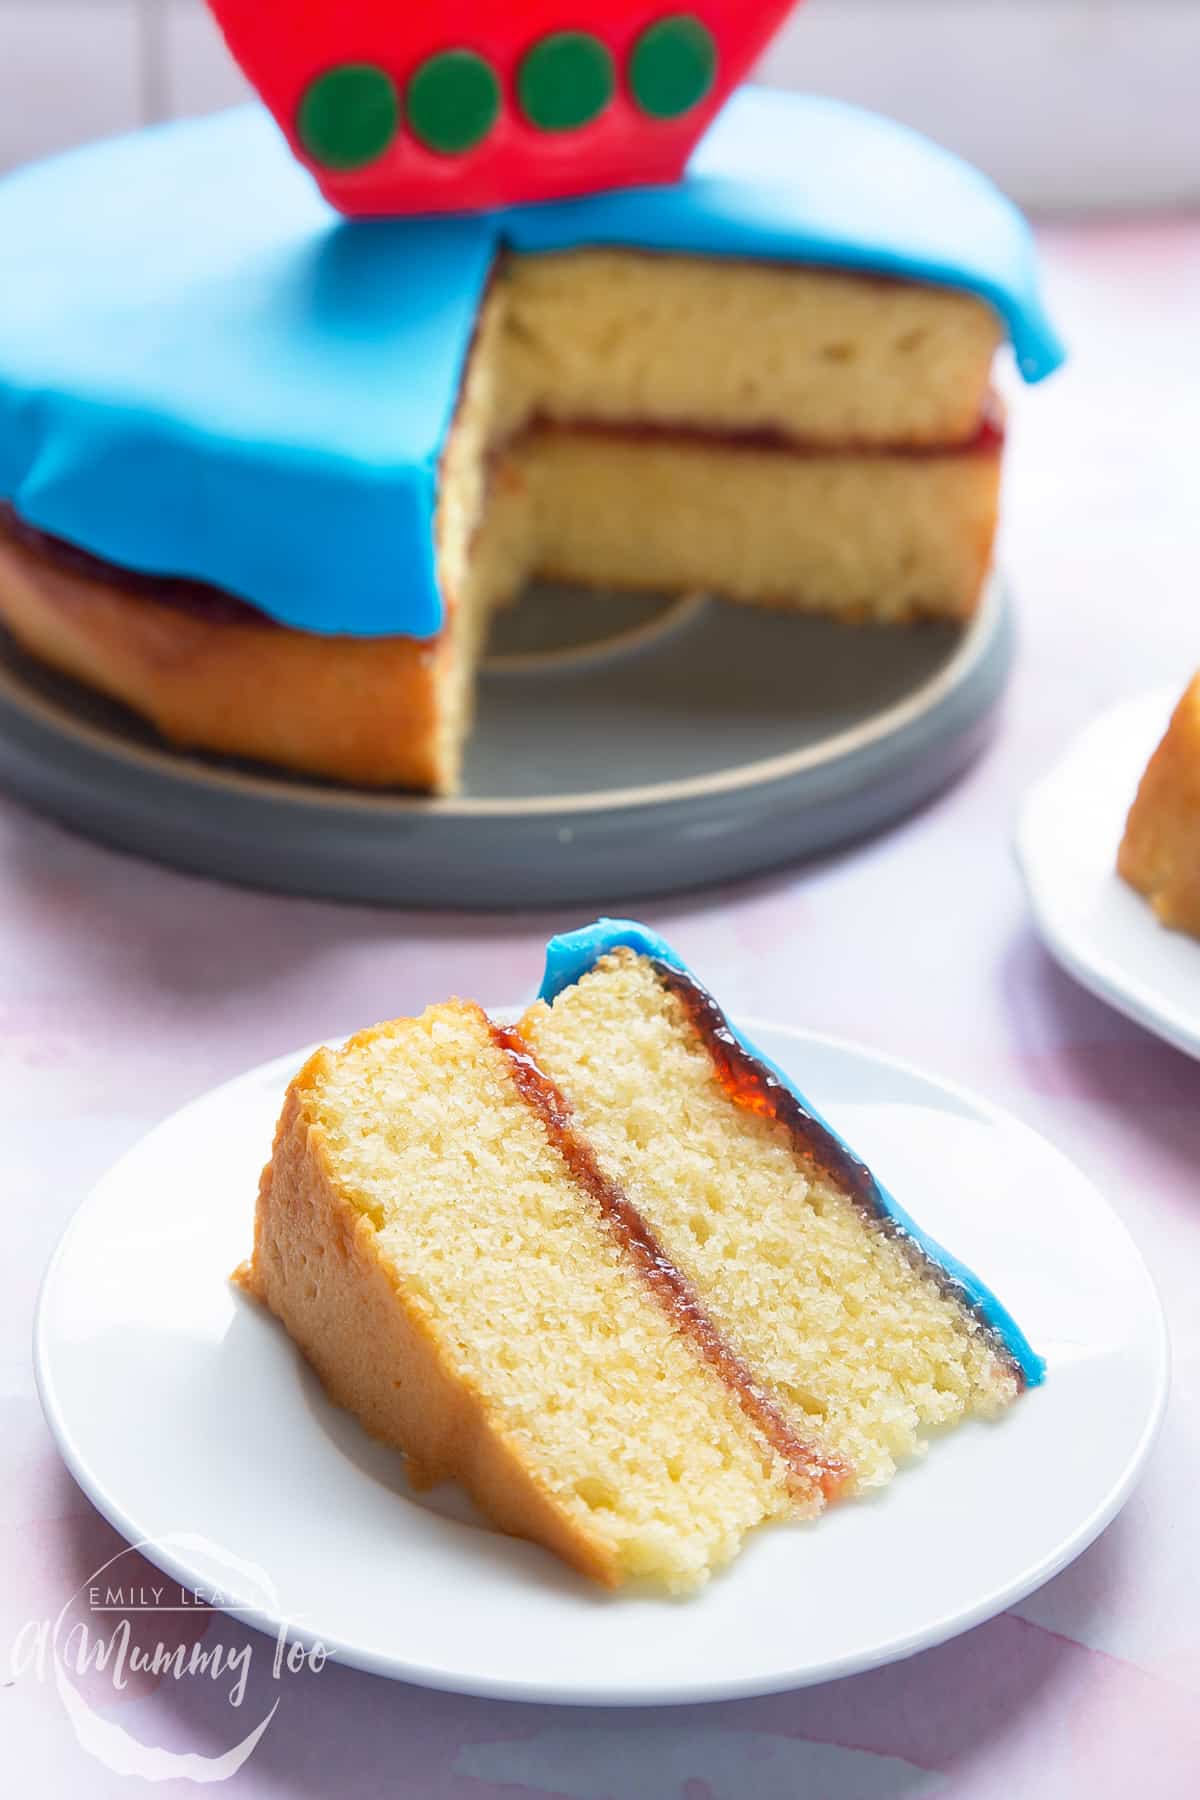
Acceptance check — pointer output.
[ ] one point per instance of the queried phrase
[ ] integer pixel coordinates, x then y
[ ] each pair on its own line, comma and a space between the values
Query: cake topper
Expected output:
472, 104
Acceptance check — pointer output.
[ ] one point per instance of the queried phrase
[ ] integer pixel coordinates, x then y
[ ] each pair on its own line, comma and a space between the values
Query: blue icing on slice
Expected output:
205, 373
570, 956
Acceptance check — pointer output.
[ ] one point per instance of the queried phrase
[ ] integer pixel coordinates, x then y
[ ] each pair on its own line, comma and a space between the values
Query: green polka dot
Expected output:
349, 116
566, 80
453, 101
673, 66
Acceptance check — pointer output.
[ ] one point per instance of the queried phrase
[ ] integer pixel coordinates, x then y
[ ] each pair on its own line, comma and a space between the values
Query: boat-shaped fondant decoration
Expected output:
472, 104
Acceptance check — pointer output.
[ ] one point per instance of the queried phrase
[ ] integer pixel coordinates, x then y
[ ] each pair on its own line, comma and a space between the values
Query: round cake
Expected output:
266, 472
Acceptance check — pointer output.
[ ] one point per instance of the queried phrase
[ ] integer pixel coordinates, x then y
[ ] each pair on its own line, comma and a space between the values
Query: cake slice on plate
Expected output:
609, 1270
1160, 852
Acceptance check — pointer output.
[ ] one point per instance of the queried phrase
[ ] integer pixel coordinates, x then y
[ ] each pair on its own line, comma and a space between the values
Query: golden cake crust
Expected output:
359, 710
317, 1266
1160, 851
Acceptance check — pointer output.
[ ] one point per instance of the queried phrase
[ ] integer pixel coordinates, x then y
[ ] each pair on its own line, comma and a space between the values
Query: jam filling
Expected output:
196, 598
812, 1466
749, 1083
214, 605
988, 439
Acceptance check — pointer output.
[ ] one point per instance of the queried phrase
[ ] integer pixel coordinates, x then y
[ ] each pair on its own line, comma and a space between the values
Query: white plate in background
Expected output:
1092, 922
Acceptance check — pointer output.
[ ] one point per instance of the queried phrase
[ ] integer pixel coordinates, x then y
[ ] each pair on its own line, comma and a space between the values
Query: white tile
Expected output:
1066, 103
199, 73
69, 70
1051, 97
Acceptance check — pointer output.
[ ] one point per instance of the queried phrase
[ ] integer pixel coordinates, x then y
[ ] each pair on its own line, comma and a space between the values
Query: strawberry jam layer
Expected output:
199, 600
815, 1470
194, 598
987, 440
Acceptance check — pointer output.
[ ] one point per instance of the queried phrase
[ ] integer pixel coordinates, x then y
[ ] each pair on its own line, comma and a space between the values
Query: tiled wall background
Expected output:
76, 69
1068, 103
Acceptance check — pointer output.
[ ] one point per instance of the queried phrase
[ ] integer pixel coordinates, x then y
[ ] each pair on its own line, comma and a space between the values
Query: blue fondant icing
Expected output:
204, 372
570, 956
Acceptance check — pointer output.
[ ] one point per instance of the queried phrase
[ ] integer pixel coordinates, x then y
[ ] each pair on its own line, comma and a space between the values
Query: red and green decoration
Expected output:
399, 107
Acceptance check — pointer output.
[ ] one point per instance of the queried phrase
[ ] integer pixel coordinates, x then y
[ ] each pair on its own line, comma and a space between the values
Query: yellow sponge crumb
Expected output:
849, 1329
429, 1251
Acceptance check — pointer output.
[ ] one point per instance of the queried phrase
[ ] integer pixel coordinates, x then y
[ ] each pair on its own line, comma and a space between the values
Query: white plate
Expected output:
1092, 922
187, 1416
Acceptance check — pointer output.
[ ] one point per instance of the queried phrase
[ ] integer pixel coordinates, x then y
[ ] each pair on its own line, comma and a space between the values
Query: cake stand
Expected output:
625, 746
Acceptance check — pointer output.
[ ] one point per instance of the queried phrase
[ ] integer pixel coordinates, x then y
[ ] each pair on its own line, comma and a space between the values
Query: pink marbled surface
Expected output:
125, 990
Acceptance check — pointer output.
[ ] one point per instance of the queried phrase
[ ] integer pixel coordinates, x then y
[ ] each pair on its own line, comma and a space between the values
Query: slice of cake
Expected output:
609, 1271
1160, 852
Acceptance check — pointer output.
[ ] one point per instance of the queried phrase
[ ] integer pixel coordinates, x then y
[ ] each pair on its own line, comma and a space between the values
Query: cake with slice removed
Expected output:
266, 477
610, 1271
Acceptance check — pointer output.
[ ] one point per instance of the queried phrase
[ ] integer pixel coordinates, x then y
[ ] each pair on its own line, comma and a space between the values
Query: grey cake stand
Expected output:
624, 747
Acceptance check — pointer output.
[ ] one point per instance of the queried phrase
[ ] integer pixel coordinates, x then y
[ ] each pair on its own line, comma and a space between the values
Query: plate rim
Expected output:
1103, 978
164, 762
613, 1694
